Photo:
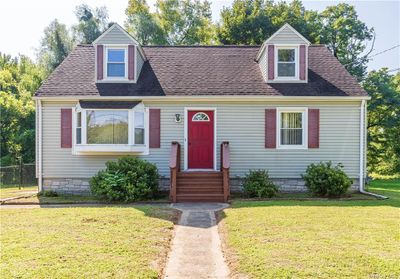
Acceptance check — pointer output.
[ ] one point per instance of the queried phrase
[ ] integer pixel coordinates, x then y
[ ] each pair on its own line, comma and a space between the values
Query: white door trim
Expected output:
185, 136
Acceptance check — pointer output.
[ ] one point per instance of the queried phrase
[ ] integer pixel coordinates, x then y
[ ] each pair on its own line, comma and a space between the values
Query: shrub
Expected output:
48, 193
323, 180
128, 179
258, 184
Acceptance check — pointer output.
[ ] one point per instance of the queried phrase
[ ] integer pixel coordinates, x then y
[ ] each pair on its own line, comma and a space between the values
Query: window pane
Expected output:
286, 55
115, 69
291, 136
139, 119
116, 55
107, 127
291, 128
286, 69
139, 136
78, 119
78, 135
291, 120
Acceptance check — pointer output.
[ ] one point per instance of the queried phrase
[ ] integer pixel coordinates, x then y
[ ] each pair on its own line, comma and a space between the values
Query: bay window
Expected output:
111, 130
292, 128
107, 127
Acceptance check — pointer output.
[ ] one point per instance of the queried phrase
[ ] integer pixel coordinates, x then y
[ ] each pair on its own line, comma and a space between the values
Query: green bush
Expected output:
128, 179
325, 180
48, 193
257, 184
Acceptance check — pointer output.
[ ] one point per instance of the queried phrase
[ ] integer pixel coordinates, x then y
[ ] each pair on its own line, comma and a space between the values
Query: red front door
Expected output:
201, 139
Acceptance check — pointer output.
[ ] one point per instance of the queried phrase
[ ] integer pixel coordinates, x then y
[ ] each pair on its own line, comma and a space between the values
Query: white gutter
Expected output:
207, 98
40, 168
363, 114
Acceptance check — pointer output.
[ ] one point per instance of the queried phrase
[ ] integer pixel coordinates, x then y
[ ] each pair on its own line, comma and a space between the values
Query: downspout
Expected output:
40, 179
363, 114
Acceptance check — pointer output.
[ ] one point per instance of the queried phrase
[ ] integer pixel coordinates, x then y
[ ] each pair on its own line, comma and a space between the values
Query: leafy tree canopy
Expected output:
19, 79
55, 45
92, 22
175, 22
383, 121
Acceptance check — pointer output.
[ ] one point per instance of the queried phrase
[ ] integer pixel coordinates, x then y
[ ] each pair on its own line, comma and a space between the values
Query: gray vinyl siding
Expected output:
262, 63
115, 36
286, 36
240, 124
139, 63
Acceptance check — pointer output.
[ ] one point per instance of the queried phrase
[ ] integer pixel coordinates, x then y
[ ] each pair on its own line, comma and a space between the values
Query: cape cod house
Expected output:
205, 115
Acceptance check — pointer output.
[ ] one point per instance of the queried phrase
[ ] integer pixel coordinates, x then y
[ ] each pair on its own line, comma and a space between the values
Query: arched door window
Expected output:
200, 116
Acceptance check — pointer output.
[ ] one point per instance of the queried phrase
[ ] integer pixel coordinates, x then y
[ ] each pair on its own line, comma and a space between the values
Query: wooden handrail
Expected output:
225, 166
174, 166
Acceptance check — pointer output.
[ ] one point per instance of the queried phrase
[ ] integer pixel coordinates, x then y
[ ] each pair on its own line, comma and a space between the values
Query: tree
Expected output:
244, 23
383, 121
253, 21
19, 79
347, 37
55, 45
92, 22
174, 22
142, 24
185, 22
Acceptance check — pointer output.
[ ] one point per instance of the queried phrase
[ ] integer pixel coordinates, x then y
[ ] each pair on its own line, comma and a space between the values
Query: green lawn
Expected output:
316, 239
91, 242
7, 191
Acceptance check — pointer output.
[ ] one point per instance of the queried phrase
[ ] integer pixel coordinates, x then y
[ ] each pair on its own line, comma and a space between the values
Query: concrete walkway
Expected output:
196, 248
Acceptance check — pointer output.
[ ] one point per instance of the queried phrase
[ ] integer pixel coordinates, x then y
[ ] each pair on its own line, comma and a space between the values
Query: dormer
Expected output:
119, 57
283, 57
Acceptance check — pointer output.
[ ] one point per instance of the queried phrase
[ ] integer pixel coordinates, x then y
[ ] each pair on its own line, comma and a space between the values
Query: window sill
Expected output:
109, 149
281, 80
292, 147
113, 80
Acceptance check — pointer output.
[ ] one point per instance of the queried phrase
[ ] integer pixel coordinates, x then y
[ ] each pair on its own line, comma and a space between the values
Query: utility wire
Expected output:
379, 53
383, 51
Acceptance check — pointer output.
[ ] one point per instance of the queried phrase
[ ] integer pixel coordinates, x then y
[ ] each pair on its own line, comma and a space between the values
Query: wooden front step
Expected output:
200, 198
199, 187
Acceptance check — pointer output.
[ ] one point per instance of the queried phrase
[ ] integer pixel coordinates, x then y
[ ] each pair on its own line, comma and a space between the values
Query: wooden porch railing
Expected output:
225, 166
174, 166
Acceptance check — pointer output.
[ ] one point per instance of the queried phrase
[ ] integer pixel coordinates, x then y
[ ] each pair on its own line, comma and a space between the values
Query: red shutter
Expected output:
270, 128
271, 61
303, 62
154, 128
313, 128
100, 54
66, 128
131, 62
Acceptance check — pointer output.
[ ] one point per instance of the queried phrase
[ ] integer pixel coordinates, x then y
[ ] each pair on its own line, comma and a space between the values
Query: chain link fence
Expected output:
23, 174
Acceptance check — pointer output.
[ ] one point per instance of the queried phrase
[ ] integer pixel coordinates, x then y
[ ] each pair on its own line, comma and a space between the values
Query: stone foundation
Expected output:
285, 185
80, 186
74, 186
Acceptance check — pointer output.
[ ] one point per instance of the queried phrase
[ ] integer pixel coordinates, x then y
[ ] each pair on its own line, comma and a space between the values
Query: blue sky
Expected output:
29, 18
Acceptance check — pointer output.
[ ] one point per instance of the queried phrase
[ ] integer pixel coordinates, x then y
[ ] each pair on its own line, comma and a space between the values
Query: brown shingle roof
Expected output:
199, 70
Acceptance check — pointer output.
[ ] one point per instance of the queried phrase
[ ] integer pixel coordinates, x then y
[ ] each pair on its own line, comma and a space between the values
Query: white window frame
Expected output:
102, 149
296, 61
304, 122
105, 59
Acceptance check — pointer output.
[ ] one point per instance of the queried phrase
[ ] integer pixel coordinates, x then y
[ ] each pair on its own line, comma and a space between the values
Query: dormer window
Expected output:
116, 66
286, 62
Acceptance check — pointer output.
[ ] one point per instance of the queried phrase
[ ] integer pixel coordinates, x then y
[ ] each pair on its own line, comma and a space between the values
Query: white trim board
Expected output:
185, 137
207, 98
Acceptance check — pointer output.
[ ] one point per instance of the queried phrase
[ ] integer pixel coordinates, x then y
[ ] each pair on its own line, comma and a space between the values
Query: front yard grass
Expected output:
87, 242
315, 239
8, 191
